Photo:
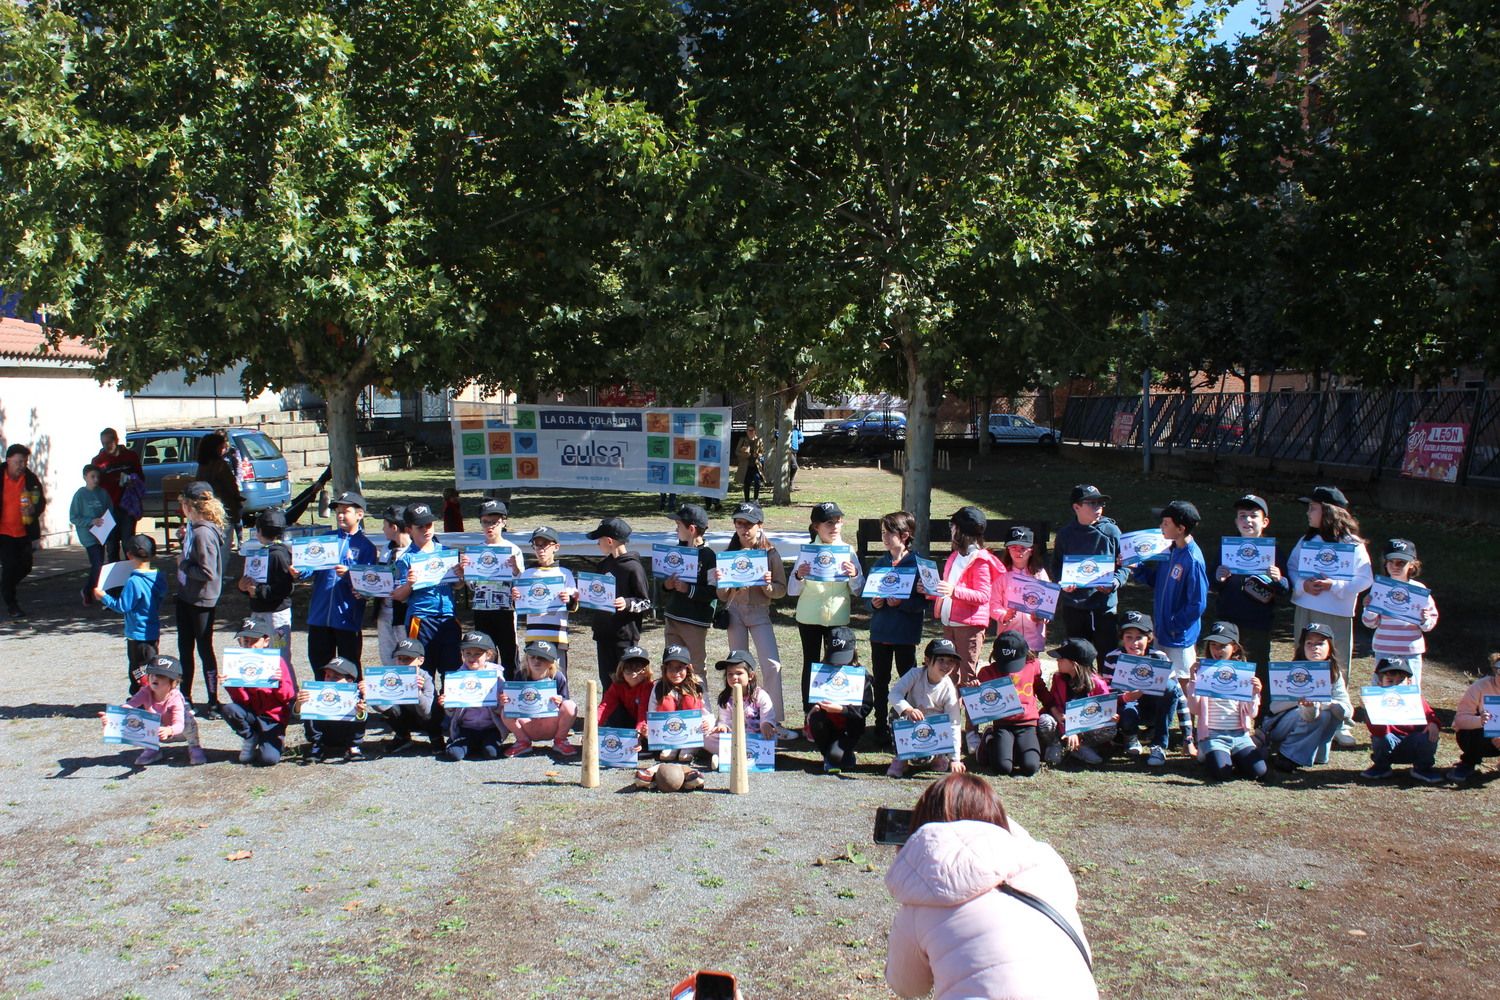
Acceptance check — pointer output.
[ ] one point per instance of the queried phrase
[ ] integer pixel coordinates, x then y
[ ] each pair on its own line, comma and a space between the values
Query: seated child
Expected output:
678, 691
1139, 710
930, 691
1301, 732
1075, 677
140, 603
259, 715
1469, 719
760, 714
1414, 745
406, 719
541, 664
336, 738
836, 729
1224, 726
628, 698
160, 695
1011, 746
474, 733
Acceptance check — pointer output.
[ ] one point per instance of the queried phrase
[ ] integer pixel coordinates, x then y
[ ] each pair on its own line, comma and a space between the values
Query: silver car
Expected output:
1012, 428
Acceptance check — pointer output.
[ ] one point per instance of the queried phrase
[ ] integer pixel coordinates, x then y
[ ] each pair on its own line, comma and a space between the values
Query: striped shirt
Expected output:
1397, 638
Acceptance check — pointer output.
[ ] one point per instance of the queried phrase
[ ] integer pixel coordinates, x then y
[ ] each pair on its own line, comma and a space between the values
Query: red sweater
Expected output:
1432, 720
1055, 697
270, 703
637, 700
1027, 679
671, 702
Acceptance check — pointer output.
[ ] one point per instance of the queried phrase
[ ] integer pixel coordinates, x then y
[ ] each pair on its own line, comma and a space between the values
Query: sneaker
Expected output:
713, 762
1090, 756
1133, 747
1344, 740
400, 744
1461, 773
354, 753
1428, 775
197, 756
783, 733
1158, 757
147, 757
518, 748
1284, 764
666, 756
1376, 773
315, 754
1053, 755
247, 750
972, 741
562, 746
897, 769
829, 767
87, 595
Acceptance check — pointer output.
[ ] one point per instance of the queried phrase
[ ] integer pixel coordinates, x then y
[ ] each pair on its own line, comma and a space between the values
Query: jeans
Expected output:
1158, 710
333, 735
754, 624
1300, 741
478, 744
264, 736
1223, 752
1413, 748
1099, 627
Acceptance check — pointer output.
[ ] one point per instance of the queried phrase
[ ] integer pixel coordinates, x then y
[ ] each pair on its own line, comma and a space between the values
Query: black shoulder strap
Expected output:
1044, 908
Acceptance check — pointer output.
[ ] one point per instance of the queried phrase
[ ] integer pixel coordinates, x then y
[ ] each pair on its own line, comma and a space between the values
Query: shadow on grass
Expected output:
43, 711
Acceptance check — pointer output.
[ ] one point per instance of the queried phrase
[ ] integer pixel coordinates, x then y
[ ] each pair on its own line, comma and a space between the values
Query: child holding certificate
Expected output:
1394, 638
259, 715
750, 607
494, 611
1076, 676
1475, 723
971, 579
140, 602
160, 696
1138, 710
474, 733
836, 729
616, 630
760, 715
430, 607
541, 665
86, 513
1224, 726
1011, 746
1414, 745
335, 613
1020, 558
678, 691
930, 691
895, 622
271, 599
550, 626
628, 698
822, 605
1246, 598
406, 719
690, 603
1301, 732
390, 616
327, 738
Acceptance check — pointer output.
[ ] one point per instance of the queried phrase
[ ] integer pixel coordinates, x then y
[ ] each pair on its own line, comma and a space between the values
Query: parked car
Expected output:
1011, 428
262, 470
871, 424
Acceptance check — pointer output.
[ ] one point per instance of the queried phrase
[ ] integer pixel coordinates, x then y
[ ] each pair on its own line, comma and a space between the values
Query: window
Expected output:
256, 447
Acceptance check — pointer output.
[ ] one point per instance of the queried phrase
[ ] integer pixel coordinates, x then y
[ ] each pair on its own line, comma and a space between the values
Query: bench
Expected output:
939, 532
170, 511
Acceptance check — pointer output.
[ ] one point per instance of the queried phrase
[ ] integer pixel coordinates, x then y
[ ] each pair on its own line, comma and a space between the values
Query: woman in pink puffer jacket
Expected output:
956, 934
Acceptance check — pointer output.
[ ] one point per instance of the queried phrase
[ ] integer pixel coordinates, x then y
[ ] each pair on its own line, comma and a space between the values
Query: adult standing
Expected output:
121, 476
22, 502
748, 457
969, 880
215, 470
1090, 613
200, 578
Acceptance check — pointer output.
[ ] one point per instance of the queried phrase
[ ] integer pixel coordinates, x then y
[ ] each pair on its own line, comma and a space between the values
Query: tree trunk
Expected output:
923, 394
781, 482
342, 400
983, 421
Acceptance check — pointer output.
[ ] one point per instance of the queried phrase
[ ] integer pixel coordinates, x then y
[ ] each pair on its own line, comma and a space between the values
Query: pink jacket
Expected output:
975, 591
958, 937
170, 710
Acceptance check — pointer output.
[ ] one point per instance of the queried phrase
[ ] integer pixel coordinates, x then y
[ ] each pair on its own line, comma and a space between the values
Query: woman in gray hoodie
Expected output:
199, 580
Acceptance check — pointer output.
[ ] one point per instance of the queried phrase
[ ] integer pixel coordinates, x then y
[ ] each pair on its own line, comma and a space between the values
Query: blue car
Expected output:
874, 424
262, 471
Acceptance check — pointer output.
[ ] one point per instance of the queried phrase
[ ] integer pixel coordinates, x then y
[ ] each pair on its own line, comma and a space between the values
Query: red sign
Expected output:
1434, 451
624, 396
1124, 426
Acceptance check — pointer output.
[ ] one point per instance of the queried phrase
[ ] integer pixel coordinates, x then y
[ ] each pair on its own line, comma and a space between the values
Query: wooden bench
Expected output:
939, 532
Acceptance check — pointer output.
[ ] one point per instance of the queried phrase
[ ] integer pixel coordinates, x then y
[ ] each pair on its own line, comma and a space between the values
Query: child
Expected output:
691, 603
1180, 596
1076, 676
87, 511
271, 602
494, 611
615, 631
390, 614
1136, 630
678, 691
967, 591
1469, 720
552, 626
836, 729
335, 614
430, 608
160, 695
822, 604
930, 691
895, 622
140, 602
474, 733
1397, 639
200, 579
541, 663
1224, 726
404, 719
760, 715
1302, 731
749, 608
1012, 746
628, 697
1091, 613
335, 738
1248, 601
259, 715
453, 512
1414, 745
1021, 558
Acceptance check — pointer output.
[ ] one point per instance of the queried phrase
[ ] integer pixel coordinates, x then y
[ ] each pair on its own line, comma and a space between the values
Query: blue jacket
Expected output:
334, 604
1181, 585
140, 602
1245, 600
901, 625
433, 603
1102, 539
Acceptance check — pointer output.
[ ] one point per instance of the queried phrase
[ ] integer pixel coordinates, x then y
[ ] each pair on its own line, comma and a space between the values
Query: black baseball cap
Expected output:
546, 534
542, 649
748, 511
491, 508
339, 665
969, 520
736, 656
410, 647
1327, 494
1316, 628
348, 498
476, 640
634, 653
396, 514
1400, 550
1137, 620
1397, 666
418, 514
1223, 632
842, 649
252, 629
1084, 492
940, 647
616, 528
1077, 650
1180, 511
1019, 534
165, 666
273, 519
679, 654
692, 515
1252, 502
1009, 651
198, 491
825, 512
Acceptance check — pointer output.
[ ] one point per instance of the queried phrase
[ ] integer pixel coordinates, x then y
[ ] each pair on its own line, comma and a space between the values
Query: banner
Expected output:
1434, 451
651, 450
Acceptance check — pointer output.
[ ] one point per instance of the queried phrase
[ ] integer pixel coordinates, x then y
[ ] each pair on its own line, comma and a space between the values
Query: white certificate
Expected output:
1087, 571
257, 563
597, 591
762, 753
680, 561
114, 575
250, 668
1145, 674
1084, 715
392, 685
1401, 600
1032, 596
530, 699
831, 685
619, 747
1394, 706
471, 689
1232, 679
927, 738
134, 727
995, 699
330, 701
674, 730
890, 581
541, 591
1141, 546
825, 562
489, 562
431, 568
1491, 704
1247, 556
1326, 560
315, 553
929, 576
372, 581
1294, 680
743, 568
104, 527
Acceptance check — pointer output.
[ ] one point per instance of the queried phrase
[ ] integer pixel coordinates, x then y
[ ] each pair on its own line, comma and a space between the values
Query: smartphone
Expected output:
714, 986
892, 826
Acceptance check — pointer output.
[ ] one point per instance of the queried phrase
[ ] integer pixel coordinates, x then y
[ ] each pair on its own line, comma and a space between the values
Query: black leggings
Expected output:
814, 644
1015, 750
195, 627
881, 656
1249, 761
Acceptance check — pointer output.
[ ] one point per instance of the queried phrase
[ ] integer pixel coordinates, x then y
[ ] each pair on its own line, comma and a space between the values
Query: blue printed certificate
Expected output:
762, 753
530, 699
330, 701
1247, 556
392, 685
1394, 706
1398, 599
842, 686
250, 668
1141, 546
680, 561
315, 553
372, 581
1084, 715
929, 575
1326, 560
1232, 679
1032, 596
134, 727
471, 689
1087, 571
257, 564
1145, 674
889, 581
1295, 680
619, 747
674, 730
825, 562
996, 699
1491, 708
490, 562
541, 591
596, 591
432, 568
743, 568
927, 738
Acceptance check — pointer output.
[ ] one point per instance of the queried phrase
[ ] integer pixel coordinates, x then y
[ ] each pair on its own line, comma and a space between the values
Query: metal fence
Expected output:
1350, 427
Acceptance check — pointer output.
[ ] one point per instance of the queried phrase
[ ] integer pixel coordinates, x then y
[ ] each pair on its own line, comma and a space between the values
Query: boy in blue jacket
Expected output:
1091, 613
335, 616
140, 603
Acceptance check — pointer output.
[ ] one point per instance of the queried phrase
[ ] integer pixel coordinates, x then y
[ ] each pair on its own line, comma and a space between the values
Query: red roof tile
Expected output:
26, 341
